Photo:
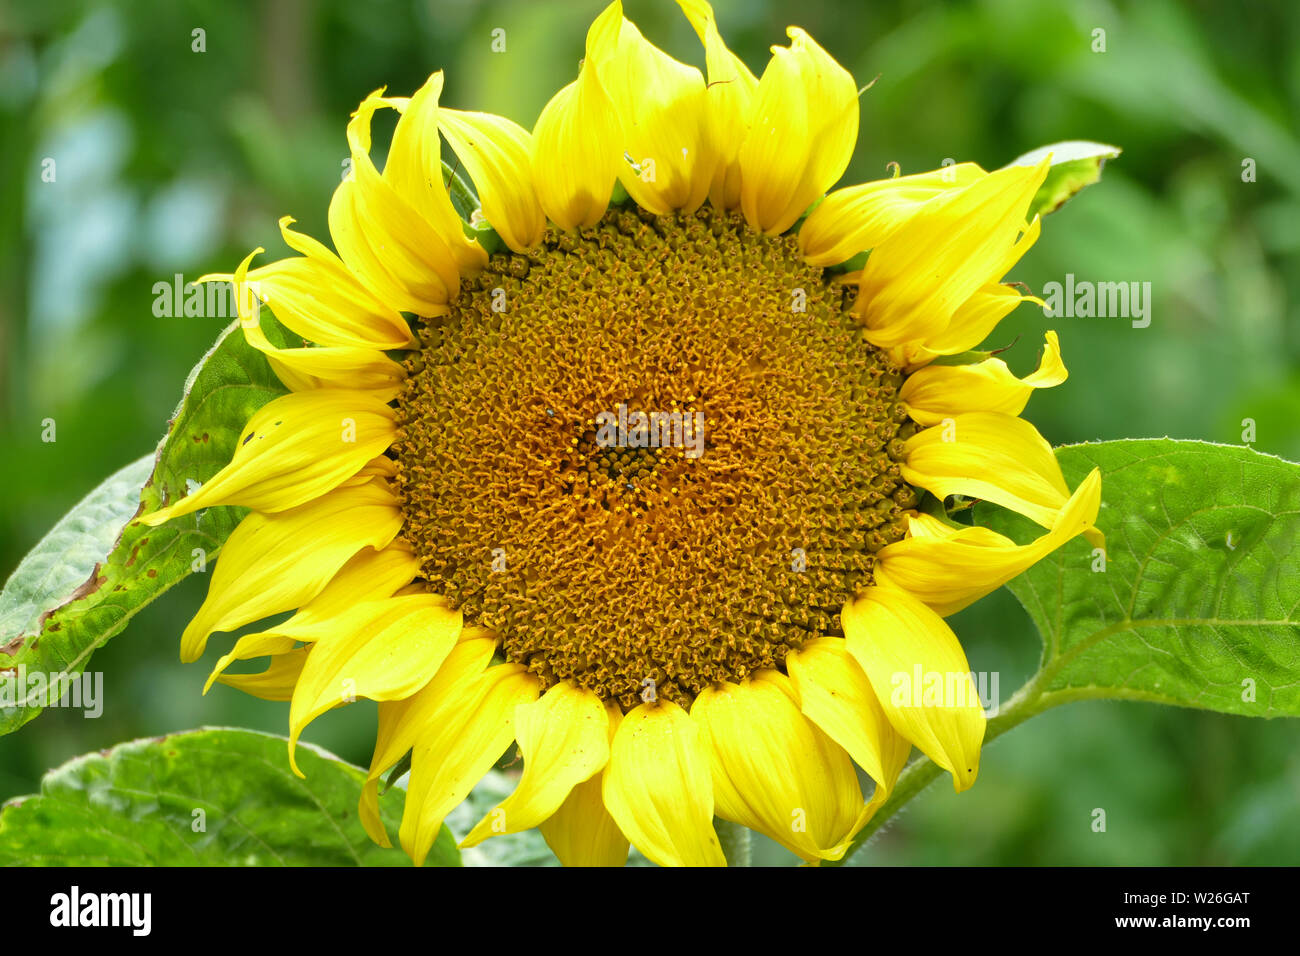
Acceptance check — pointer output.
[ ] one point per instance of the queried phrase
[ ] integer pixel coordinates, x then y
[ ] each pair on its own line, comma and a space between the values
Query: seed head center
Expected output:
651, 455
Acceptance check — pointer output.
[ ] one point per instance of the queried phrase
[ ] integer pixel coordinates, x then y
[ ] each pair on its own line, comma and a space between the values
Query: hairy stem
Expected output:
735, 841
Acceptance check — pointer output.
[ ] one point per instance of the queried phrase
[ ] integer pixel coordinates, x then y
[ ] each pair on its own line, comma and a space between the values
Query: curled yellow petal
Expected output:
835, 695
920, 675
301, 369
950, 568
295, 448
277, 681
261, 644
278, 562
564, 740
396, 252
316, 296
402, 721
661, 107
921, 274
729, 102
857, 218
988, 455
979, 315
414, 168
385, 649
774, 771
496, 152
803, 127
464, 733
658, 787
575, 152
936, 392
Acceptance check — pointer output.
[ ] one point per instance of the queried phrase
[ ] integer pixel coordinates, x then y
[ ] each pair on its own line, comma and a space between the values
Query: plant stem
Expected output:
735, 842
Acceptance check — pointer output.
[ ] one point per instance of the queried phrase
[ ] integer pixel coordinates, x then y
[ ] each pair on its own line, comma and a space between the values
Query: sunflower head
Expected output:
637, 482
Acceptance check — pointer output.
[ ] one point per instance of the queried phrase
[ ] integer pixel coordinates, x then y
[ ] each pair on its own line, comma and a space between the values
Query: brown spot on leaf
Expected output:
13, 647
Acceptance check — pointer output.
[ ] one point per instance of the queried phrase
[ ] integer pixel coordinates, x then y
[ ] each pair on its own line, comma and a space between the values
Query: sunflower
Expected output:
636, 477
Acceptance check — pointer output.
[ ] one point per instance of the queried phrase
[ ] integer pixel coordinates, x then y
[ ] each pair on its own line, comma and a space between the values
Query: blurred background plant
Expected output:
174, 152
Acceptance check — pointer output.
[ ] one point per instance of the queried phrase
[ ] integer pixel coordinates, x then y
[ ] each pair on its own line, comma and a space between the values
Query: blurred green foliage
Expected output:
168, 160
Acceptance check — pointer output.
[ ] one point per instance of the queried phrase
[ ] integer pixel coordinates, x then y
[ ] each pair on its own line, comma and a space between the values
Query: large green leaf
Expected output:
1197, 602
1075, 164
1194, 604
89, 576
211, 797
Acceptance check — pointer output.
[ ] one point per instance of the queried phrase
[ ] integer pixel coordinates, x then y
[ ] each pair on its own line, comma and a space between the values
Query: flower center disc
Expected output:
657, 450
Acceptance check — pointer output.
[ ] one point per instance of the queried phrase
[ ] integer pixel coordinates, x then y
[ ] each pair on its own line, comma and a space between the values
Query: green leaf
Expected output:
210, 797
90, 575
1196, 605
65, 557
1075, 164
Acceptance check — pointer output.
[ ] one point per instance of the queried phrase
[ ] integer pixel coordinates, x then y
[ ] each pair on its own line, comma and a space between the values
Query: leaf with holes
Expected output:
1194, 602
92, 573
210, 797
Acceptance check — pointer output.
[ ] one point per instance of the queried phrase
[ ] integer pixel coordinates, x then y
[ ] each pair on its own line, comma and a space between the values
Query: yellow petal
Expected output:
564, 740
463, 736
414, 168
950, 568
661, 107
274, 563
774, 771
402, 721
575, 147
277, 681
918, 277
937, 392
920, 675
496, 153
368, 576
295, 448
729, 102
803, 128
385, 649
988, 455
261, 644
857, 218
658, 787
302, 369
836, 696
582, 833
395, 252
979, 315
317, 297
